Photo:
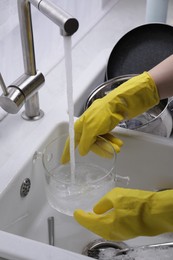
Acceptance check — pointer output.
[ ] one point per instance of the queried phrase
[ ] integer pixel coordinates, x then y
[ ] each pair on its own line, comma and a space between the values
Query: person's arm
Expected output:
132, 98
162, 75
129, 100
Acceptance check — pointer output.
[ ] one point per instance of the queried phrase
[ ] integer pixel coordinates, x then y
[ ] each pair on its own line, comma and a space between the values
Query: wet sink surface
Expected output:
141, 159
144, 158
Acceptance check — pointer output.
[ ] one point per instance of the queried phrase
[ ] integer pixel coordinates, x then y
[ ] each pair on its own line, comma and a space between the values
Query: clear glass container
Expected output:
94, 176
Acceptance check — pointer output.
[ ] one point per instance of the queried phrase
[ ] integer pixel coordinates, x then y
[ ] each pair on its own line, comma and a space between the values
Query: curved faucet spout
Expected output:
25, 90
67, 24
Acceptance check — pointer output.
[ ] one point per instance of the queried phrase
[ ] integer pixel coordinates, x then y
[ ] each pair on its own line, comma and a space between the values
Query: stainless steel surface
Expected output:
25, 89
103, 89
32, 109
157, 120
51, 231
3, 86
12, 102
95, 247
97, 252
20, 91
25, 187
68, 25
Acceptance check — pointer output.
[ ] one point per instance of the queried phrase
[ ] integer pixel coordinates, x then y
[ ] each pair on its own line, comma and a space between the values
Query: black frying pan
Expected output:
140, 49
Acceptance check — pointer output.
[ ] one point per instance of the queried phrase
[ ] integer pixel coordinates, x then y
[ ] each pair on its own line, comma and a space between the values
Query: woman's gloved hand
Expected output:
130, 99
126, 213
99, 147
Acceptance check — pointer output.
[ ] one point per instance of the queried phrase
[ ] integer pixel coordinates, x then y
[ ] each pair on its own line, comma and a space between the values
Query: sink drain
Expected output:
109, 250
101, 249
25, 187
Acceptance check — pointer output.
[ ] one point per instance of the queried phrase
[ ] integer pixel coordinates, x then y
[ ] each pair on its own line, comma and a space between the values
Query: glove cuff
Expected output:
135, 96
146, 95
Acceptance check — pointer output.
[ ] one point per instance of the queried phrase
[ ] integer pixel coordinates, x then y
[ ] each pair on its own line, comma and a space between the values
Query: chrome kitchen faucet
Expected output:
25, 89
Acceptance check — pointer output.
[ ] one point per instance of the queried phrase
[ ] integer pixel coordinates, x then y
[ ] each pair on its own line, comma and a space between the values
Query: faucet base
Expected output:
32, 118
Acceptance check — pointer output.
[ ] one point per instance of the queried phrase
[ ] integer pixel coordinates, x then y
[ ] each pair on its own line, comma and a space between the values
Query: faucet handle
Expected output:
3, 86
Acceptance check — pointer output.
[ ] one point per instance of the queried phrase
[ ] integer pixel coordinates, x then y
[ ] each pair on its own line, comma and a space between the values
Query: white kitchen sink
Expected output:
146, 159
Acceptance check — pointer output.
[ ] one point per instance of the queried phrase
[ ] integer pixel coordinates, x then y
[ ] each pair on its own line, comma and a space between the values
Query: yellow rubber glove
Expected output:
99, 147
126, 213
130, 99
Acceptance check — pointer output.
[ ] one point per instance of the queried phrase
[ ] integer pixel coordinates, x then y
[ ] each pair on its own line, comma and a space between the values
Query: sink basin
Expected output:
144, 158
30, 213
141, 159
